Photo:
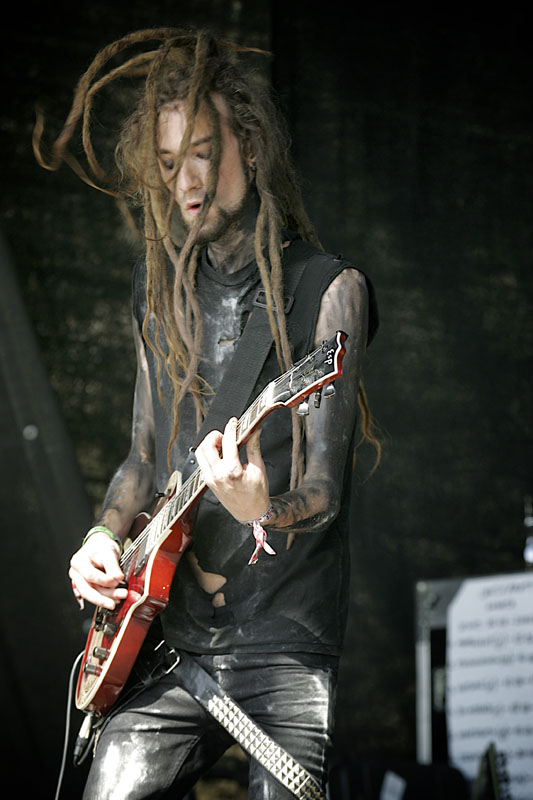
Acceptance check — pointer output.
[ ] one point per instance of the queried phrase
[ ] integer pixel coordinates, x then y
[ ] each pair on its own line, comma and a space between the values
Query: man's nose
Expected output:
189, 177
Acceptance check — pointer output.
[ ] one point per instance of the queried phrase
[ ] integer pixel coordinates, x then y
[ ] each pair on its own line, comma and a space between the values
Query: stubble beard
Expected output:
225, 220
215, 229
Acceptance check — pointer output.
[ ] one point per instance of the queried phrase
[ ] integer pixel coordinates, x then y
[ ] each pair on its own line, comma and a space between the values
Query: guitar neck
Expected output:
158, 527
195, 484
310, 374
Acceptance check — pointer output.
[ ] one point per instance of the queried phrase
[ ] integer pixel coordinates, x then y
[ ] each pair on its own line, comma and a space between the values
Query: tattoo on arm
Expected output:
329, 429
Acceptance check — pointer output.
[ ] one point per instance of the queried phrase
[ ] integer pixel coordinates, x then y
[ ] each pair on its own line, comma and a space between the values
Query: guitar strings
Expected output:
178, 503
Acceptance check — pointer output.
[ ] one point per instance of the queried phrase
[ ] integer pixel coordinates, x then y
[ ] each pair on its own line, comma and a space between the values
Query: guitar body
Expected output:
159, 541
116, 637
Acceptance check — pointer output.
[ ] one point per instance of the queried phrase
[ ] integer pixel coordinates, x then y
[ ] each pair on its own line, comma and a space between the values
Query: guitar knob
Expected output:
92, 669
110, 628
303, 409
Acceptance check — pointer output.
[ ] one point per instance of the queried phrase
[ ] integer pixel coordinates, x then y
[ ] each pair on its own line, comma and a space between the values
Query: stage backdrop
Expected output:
414, 141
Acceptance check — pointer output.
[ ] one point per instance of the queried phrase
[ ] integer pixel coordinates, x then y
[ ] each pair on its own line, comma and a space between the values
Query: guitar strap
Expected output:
160, 659
243, 729
251, 352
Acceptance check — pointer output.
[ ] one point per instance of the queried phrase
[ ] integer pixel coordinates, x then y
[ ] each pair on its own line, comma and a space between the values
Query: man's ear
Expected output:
248, 151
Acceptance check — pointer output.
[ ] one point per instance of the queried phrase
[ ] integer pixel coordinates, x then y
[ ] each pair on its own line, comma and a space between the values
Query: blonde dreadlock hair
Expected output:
190, 67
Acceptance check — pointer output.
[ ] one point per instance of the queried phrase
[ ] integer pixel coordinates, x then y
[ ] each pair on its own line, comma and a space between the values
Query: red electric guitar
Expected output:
148, 564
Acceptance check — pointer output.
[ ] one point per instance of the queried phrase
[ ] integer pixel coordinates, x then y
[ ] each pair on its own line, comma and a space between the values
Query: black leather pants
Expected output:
160, 742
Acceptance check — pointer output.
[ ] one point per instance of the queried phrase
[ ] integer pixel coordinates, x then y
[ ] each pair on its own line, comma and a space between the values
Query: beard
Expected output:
224, 219
214, 229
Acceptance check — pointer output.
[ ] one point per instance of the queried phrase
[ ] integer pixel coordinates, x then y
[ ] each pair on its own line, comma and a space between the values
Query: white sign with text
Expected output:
489, 675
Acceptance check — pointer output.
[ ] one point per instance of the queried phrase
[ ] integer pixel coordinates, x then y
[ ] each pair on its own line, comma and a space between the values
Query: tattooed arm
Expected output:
316, 502
94, 569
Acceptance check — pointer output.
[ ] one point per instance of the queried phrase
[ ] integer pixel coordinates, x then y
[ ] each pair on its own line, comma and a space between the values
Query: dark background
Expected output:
414, 139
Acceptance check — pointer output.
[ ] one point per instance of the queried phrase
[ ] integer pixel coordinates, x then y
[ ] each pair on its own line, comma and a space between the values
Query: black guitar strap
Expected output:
159, 659
251, 352
243, 729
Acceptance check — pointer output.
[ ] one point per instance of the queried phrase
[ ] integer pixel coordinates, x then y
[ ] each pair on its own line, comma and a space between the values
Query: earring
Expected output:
253, 167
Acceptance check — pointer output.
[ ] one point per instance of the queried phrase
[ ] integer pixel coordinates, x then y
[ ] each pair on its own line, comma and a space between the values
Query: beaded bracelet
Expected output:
103, 529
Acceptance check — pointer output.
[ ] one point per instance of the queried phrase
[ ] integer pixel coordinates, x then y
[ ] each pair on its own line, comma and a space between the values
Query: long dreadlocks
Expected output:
190, 67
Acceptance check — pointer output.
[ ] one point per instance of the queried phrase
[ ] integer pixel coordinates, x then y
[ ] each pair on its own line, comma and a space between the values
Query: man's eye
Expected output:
168, 165
204, 154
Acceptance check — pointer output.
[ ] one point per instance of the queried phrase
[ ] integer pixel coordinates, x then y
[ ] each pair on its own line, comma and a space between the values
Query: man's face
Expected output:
190, 184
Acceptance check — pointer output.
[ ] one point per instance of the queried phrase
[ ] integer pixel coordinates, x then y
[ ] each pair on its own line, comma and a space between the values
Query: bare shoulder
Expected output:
347, 295
350, 281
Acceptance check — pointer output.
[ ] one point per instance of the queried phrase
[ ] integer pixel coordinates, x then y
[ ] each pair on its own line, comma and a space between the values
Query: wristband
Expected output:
103, 529
263, 518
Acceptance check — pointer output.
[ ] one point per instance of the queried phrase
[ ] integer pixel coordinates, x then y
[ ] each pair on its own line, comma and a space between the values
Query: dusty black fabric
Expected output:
295, 601
161, 741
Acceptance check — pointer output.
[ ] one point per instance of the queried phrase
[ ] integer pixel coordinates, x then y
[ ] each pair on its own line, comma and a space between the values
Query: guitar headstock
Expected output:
318, 369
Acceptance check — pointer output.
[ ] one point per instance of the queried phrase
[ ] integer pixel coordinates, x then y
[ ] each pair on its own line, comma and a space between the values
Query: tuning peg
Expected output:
303, 409
318, 397
330, 390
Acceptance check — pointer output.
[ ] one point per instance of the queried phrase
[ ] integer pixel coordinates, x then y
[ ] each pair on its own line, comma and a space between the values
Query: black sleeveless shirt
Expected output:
295, 601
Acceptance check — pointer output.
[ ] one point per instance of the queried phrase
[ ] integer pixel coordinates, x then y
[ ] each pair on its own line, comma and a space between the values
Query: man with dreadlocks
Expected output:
225, 232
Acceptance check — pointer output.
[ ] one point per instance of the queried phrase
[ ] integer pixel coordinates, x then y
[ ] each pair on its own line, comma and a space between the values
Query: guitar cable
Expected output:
81, 746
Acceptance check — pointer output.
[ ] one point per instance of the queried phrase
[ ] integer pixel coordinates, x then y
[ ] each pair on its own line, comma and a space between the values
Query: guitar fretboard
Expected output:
158, 528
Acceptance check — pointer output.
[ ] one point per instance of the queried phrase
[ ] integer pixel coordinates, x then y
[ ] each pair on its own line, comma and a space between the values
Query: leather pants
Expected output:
159, 742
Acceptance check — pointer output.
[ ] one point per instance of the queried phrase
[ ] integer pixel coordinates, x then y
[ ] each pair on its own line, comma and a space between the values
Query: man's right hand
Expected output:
95, 572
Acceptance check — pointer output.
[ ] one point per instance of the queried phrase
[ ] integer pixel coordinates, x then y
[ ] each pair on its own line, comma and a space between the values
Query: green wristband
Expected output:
103, 529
